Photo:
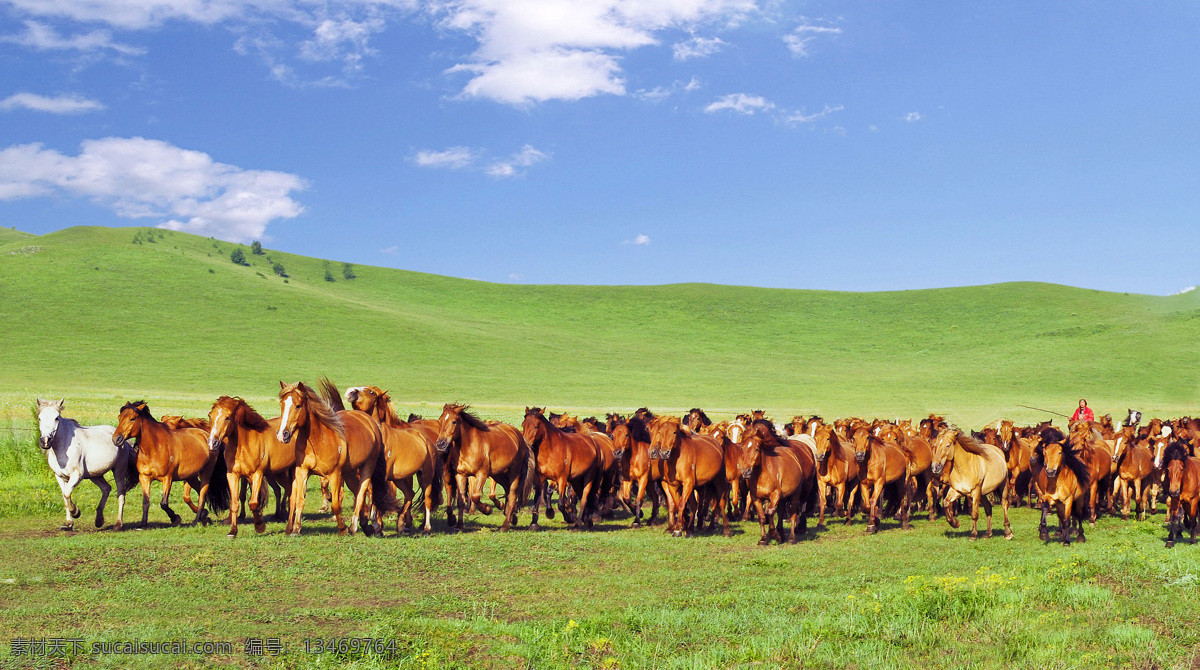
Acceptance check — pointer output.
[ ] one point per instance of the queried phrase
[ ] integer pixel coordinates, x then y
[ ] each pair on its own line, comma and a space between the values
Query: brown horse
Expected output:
1096, 452
1062, 479
1017, 462
573, 462
1183, 491
1135, 466
696, 419
480, 450
409, 452
919, 453
344, 446
691, 462
972, 470
168, 455
1158, 446
252, 451
631, 445
837, 471
781, 477
881, 464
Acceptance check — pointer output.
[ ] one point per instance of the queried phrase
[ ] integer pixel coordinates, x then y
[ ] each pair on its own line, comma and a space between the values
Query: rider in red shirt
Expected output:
1084, 413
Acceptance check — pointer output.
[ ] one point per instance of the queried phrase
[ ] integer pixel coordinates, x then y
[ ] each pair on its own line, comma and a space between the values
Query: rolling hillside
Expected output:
89, 314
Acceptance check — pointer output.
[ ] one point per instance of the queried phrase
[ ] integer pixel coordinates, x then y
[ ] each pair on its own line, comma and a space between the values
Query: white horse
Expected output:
76, 452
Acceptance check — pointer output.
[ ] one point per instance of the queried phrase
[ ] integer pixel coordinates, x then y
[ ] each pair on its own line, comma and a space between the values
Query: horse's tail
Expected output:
436, 496
528, 475
381, 494
330, 392
218, 495
125, 474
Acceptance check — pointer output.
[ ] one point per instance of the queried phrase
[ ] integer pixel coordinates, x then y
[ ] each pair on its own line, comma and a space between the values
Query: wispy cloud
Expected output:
912, 117
139, 178
390, 250
42, 37
1189, 289
740, 103
512, 166
798, 40
639, 241
698, 47
454, 158
660, 93
62, 104
532, 51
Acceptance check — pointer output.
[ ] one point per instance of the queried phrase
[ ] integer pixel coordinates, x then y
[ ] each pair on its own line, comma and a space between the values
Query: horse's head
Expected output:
751, 453
364, 398
737, 428
1160, 448
222, 425
1052, 457
48, 412
622, 438
1133, 418
611, 420
696, 419
129, 422
293, 405
1005, 433
1176, 460
862, 443
533, 427
449, 426
823, 439
943, 450
664, 436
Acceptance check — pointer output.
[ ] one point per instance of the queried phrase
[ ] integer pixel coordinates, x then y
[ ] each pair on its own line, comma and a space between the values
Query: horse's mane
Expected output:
414, 417
332, 396
1070, 455
704, 420
1051, 434
638, 429
464, 413
384, 408
140, 407
771, 437
318, 409
970, 444
243, 413
1175, 451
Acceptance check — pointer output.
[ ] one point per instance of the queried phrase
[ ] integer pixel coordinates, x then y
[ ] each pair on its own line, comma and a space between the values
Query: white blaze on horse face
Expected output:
48, 421
1158, 453
287, 413
212, 432
351, 391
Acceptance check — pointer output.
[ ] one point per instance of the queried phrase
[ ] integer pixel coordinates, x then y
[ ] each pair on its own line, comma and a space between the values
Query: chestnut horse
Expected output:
1135, 466
409, 452
837, 471
631, 446
253, 451
1183, 491
480, 450
972, 470
167, 455
1063, 480
691, 463
572, 461
881, 463
1098, 454
781, 478
340, 445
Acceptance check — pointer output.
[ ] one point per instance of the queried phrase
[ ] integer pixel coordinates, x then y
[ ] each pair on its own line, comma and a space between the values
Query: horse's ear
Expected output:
41, 403
61, 402
282, 385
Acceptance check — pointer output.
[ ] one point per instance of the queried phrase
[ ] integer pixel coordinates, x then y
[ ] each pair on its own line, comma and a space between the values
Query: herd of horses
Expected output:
701, 471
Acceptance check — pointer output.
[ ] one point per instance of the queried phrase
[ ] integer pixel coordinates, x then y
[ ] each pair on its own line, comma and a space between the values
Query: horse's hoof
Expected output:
764, 542
987, 535
502, 529
67, 526
294, 533
75, 513
1124, 517
791, 540
871, 529
1008, 535
1170, 543
676, 533
99, 522
425, 532
231, 534
1081, 539
820, 526
119, 527
175, 521
1044, 536
343, 532
534, 527
1092, 523
974, 535
636, 524
260, 527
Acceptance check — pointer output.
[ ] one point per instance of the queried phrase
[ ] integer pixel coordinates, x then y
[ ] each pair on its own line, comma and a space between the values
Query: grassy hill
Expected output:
91, 315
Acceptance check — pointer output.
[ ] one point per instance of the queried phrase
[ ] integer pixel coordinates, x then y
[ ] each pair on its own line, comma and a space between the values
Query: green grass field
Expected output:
93, 317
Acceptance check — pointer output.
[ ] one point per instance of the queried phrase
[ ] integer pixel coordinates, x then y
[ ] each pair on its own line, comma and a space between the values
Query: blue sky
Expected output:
837, 145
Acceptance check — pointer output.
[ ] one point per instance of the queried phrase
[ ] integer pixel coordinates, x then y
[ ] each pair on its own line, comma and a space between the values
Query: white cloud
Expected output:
390, 250
342, 40
512, 276
526, 157
660, 93
149, 179
799, 39
1189, 289
530, 51
698, 47
912, 117
141, 14
740, 103
803, 117
454, 158
63, 104
42, 37
639, 240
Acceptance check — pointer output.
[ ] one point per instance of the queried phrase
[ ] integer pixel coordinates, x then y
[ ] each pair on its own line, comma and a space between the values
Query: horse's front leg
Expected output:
822, 491
144, 481
477, 492
258, 499
67, 486
296, 502
235, 502
1043, 531
335, 499
764, 532
165, 501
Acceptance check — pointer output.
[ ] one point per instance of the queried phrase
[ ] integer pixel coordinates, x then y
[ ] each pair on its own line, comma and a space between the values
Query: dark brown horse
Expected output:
480, 450
344, 446
691, 463
252, 451
1062, 479
781, 476
1135, 466
881, 464
168, 455
1096, 452
573, 462
1183, 491
631, 445
409, 452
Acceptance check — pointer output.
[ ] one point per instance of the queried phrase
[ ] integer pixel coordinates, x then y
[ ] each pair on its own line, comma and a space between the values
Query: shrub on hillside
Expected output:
238, 257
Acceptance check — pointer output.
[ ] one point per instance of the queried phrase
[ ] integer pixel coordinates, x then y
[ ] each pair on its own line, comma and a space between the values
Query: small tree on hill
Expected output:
279, 270
348, 271
256, 248
238, 257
